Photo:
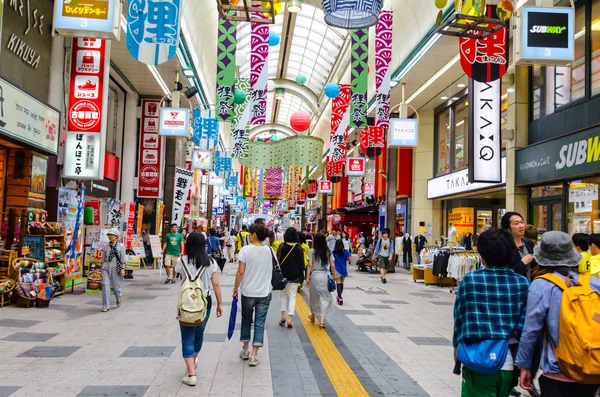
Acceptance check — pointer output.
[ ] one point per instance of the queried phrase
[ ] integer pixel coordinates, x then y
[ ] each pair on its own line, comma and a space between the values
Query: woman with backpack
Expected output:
291, 262
569, 359
320, 263
197, 264
341, 256
253, 283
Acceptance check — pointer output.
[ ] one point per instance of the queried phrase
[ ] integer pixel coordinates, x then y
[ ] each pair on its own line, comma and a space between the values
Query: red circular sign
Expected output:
149, 174
84, 115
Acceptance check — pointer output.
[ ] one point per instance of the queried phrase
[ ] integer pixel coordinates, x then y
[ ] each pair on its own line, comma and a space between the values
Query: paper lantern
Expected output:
352, 14
300, 121
241, 59
239, 96
332, 90
333, 52
301, 79
270, 85
274, 39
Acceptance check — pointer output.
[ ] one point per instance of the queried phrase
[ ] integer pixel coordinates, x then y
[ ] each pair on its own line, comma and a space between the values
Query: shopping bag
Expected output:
232, 317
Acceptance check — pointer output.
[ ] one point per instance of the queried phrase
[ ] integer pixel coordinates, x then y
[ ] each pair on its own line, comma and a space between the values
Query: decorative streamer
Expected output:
338, 148
360, 77
241, 123
372, 141
383, 58
274, 181
259, 70
226, 44
197, 127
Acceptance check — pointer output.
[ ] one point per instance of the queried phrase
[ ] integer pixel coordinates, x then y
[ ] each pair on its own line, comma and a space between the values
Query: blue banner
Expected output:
197, 127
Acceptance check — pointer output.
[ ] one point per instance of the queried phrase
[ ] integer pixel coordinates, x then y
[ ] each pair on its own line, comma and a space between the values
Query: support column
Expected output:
209, 203
391, 194
518, 122
130, 143
323, 224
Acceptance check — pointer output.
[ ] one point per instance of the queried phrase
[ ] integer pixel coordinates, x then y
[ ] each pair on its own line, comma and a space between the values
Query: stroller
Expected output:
365, 262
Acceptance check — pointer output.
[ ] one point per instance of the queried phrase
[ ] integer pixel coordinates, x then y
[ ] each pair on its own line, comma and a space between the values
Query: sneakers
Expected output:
104, 310
253, 361
245, 354
88, 86
514, 392
167, 281
189, 380
383, 280
119, 303
173, 281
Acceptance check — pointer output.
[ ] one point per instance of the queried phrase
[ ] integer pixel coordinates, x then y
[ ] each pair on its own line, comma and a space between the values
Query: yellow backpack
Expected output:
578, 350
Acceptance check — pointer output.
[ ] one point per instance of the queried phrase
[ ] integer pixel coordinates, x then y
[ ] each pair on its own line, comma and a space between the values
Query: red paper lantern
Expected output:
300, 121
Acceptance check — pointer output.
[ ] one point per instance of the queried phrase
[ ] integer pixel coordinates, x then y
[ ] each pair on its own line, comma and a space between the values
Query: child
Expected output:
594, 242
580, 241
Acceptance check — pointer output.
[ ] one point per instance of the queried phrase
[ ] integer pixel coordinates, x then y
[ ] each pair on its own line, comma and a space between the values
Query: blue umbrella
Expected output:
232, 316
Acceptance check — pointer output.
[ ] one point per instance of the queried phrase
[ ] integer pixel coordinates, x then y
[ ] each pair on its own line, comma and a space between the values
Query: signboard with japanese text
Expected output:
88, 18
88, 100
153, 30
226, 67
383, 72
202, 160
28, 120
130, 224
183, 183
116, 214
214, 180
403, 132
174, 122
355, 166
149, 160
325, 187
372, 141
340, 120
259, 71
360, 77
95, 205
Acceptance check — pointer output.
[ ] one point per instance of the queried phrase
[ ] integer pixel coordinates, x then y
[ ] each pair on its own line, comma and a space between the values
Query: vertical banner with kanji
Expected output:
149, 157
241, 123
383, 58
87, 109
197, 127
372, 141
259, 71
205, 129
226, 44
130, 224
360, 77
181, 189
340, 120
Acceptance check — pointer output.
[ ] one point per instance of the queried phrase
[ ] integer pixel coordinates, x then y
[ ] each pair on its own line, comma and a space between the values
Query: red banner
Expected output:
130, 223
338, 148
149, 161
312, 188
372, 141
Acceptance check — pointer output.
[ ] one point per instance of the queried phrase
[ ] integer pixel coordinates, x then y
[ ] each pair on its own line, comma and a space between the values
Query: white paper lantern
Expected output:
270, 85
241, 59
332, 52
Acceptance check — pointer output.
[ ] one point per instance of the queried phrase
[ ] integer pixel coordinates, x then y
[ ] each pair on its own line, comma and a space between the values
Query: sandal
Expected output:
290, 325
311, 317
322, 325
282, 322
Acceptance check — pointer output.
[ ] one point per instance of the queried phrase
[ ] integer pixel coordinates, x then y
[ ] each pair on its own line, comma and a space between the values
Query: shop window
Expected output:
556, 86
595, 34
547, 191
461, 134
443, 142
583, 215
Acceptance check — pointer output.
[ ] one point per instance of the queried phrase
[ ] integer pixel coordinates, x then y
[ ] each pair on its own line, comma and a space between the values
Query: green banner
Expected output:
226, 68
360, 78
296, 150
573, 155
240, 127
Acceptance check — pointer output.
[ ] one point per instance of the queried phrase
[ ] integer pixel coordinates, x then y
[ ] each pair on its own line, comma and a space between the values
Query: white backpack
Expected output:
192, 304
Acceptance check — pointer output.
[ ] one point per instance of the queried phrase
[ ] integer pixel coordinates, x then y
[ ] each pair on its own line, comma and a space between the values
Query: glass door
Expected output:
546, 216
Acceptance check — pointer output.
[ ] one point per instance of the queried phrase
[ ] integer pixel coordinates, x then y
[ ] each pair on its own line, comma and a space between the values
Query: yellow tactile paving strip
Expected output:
339, 372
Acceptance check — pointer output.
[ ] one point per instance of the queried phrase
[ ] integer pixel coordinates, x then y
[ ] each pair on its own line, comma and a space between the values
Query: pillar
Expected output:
56, 88
518, 122
391, 195
130, 143
323, 225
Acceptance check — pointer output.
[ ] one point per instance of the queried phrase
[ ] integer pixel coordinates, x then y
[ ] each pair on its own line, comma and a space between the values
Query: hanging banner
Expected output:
130, 224
197, 127
88, 100
240, 132
149, 157
372, 141
226, 44
383, 58
355, 166
360, 77
209, 130
115, 214
485, 159
486, 59
325, 187
202, 160
340, 120
259, 71
153, 30
312, 188
95, 205
140, 219
274, 183
183, 182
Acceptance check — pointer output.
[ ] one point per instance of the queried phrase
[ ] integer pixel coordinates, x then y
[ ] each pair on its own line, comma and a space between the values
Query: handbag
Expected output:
331, 285
278, 282
483, 356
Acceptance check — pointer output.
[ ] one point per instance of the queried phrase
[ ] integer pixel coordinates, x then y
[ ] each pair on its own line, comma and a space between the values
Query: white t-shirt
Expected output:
256, 282
206, 276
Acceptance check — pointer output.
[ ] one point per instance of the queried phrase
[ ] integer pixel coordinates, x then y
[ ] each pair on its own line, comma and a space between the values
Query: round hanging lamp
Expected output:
300, 121
274, 39
270, 85
332, 90
301, 79
239, 96
293, 5
351, 14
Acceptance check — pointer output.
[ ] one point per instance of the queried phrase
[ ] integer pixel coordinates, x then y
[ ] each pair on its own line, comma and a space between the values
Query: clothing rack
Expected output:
458, 252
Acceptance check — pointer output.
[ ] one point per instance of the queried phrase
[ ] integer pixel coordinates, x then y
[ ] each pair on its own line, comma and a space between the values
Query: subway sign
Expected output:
569, 156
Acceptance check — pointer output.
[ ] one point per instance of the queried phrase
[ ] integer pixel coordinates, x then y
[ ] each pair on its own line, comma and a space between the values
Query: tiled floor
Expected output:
394, 337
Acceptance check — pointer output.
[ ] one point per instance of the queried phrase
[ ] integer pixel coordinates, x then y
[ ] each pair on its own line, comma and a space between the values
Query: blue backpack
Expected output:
485, 356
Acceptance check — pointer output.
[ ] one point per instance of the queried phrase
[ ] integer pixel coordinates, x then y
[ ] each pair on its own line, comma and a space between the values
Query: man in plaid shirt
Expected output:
490, 304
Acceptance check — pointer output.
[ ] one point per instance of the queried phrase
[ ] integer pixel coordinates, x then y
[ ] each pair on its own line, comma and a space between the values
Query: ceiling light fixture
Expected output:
279, 94
444, 98
455, 98
294, 5
433, 78
188, 72
159, 80
461, 85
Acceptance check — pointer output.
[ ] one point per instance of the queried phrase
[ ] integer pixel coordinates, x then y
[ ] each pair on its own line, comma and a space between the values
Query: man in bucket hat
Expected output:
113, 268
555, 256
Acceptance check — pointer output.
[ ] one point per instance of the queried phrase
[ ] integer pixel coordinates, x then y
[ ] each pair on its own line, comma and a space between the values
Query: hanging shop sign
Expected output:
340, 120
383, 73
312, 188
95, 206
88, 18
115, 214
205, 131
360, 77
88, 99
355, 166
227, 41
458, 183
484, 132
183, 182
372, 141
545, 36
325, 187
149, 157
28, 120
259, 72
485, 59
403, 132
214, 180
202, 160
130, 224
153, 30
174, 121
569, 156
